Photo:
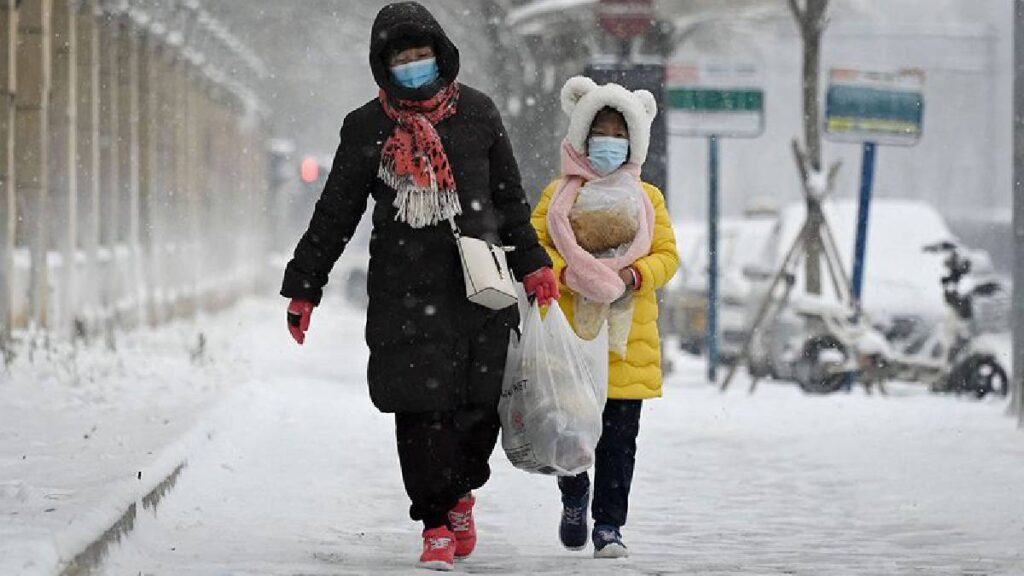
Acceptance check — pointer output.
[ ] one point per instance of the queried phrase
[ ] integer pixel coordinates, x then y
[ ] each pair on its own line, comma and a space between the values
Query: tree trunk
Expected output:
811, 31
811, 21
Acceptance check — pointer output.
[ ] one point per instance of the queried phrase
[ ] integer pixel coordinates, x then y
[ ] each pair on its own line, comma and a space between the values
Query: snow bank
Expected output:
85, 431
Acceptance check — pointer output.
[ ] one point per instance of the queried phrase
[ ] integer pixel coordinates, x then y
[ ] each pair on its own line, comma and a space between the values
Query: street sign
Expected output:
724, 100
625, 19
714, 101
872, 108
881, 107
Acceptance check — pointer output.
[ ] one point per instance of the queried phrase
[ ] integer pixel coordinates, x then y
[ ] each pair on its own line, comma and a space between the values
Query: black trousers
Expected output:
613, 469
443, 456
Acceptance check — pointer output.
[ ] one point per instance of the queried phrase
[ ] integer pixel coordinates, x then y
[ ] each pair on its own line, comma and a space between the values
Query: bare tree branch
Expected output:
816, 14
797, 12
821, 19
833, 172
801, 163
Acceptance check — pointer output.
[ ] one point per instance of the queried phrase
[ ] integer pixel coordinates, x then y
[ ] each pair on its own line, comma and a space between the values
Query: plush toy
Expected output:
602, 223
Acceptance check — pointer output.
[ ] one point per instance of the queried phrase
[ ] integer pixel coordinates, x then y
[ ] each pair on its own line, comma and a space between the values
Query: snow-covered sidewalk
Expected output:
290, 470
302, 478
86, 433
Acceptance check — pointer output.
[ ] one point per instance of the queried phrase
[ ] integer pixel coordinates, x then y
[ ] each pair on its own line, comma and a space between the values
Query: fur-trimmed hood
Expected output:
582, 99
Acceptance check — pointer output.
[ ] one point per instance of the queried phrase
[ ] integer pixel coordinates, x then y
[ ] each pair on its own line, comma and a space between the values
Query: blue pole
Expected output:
712, 258
867, 178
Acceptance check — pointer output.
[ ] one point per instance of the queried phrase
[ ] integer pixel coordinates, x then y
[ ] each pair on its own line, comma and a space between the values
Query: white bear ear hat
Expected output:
582, 99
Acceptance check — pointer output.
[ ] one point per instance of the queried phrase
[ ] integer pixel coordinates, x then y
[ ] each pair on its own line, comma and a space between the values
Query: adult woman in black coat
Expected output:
428, 148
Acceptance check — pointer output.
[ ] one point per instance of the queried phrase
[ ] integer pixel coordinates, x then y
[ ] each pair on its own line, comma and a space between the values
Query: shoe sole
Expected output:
612, 551
439, 565
575, 548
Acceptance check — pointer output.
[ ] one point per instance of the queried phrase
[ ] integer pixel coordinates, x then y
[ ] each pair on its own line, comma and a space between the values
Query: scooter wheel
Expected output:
812, 373
982, 375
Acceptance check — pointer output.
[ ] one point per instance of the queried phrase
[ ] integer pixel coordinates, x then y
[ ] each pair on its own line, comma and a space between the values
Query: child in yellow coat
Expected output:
609, 134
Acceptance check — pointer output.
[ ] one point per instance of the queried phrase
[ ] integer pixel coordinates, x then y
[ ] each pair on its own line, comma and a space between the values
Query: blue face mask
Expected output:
607, 153
416, 74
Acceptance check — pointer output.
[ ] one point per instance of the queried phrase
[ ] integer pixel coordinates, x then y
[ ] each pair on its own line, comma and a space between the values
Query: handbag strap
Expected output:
457, 232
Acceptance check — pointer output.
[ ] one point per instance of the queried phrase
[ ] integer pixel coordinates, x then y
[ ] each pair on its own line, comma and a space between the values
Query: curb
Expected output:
96, 551
82, 557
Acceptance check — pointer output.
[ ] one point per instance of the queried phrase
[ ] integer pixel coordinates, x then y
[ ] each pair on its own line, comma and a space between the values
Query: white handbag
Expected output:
489, 282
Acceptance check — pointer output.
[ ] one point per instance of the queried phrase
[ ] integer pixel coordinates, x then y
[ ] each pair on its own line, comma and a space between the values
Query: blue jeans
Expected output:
613, 469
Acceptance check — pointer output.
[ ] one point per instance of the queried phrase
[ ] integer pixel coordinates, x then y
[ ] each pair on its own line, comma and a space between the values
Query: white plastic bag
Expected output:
553, 396
605, 220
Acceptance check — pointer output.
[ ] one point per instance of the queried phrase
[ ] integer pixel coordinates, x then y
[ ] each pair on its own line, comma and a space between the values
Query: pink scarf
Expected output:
595, 278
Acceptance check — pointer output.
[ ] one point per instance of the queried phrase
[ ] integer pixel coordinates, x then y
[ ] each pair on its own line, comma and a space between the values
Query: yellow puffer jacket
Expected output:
638, 375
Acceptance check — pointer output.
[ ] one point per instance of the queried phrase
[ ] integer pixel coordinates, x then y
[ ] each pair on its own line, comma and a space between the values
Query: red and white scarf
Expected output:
413, 161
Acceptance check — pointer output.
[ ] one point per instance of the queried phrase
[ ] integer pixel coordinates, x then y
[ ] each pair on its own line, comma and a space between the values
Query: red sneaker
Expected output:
438, 549
461, 519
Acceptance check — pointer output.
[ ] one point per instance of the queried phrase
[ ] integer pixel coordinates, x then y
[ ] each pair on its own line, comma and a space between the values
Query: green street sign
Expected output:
715, 99
711, 100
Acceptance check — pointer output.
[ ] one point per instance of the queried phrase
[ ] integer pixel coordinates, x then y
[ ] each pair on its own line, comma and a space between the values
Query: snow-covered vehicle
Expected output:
909, 326
685, 312
740, 240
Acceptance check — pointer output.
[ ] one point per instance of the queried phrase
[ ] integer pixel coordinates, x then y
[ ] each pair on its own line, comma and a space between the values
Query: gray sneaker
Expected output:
608, 542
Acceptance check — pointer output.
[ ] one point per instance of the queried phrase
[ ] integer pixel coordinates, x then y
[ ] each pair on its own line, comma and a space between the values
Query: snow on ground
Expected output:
85, 432
301, 477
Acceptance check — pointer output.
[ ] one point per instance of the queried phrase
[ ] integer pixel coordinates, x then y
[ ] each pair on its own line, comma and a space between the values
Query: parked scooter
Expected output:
949, 358
973, 367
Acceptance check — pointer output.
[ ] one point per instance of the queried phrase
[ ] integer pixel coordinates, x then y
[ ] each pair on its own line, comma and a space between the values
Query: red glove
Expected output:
543, 285
299, 312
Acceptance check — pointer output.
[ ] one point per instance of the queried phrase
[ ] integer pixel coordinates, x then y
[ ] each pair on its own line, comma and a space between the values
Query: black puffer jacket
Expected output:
424, 336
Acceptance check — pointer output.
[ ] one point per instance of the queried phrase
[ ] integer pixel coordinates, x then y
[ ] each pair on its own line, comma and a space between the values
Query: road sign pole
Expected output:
867, 180
712, 258
714, 101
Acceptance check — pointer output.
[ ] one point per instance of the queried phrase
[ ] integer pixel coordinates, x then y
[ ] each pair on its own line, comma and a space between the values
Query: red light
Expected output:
310, 171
